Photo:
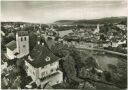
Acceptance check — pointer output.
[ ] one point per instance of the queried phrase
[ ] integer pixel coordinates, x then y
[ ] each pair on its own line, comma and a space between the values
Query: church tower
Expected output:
22, 43
98, 27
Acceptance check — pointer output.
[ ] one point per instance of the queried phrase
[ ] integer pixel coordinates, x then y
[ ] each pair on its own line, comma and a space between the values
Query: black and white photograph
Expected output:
61, 44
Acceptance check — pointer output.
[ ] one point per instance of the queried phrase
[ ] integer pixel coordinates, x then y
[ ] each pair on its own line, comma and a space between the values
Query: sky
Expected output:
51, 11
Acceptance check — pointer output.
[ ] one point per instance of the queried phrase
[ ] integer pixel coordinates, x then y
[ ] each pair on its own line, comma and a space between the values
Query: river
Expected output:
104, 60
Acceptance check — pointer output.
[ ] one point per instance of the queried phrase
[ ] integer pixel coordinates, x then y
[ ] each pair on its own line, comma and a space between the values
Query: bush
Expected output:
107, 76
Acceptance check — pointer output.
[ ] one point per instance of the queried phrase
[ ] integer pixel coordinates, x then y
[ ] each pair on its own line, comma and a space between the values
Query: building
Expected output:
123, 27
20, 47
2, 33
106, 44
43, 66
97, 29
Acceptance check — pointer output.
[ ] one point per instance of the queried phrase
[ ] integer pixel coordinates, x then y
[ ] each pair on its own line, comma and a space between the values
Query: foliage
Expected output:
116, 49
69, 66
76, 56
119, 74
107, 76
90, 62
32, 40
71, 74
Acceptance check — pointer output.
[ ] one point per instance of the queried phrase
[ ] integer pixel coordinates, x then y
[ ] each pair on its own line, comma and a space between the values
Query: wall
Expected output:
56, 79
36, 73
47, 70
10, 54
31, 71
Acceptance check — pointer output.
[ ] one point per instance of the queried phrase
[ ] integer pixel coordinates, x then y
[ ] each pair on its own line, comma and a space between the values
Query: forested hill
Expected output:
93, 21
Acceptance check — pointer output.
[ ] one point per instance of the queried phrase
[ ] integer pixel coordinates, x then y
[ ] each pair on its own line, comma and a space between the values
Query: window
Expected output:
21, 39
24, 46
47, 58
57, 82
52, 70
25, 38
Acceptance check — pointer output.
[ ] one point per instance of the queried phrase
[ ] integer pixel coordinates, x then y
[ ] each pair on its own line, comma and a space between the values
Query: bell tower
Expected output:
22, 43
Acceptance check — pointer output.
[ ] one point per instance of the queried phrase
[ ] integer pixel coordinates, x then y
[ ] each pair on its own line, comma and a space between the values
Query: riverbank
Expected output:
101, 50
104, 59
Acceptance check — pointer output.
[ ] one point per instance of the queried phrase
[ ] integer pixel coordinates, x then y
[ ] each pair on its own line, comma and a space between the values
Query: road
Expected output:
101, 50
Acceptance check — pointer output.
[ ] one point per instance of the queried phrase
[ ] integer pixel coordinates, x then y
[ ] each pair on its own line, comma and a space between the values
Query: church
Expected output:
18, 48
41, 64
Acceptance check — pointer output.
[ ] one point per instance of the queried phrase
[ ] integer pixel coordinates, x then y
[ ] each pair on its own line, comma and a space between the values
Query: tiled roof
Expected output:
22, 33
39, 54
11, 45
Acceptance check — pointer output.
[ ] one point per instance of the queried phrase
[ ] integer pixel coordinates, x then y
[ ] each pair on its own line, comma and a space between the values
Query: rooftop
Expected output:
39, 55
11, 45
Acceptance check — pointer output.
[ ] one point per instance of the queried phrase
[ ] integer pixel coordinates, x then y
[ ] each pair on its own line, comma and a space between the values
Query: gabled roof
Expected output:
11, 45
39, 54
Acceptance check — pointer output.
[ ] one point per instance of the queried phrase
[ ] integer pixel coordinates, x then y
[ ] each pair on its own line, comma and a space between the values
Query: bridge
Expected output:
100, 50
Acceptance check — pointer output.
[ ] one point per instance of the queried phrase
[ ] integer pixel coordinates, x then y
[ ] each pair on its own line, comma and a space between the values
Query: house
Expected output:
43, 66
123, 27
123, 41
106, 44
2, 33
3, 66
114, 44
18, 48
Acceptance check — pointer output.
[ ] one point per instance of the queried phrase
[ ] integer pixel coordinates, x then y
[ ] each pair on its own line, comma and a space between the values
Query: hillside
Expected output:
92, 21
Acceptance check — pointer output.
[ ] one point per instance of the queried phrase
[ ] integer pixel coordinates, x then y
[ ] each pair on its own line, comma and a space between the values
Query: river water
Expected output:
104, 60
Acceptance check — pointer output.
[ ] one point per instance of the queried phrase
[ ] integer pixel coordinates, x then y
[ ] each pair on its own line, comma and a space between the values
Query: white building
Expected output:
2, 33
106, 44
20, 47
123, 27
114, 44
97, 29
43, 66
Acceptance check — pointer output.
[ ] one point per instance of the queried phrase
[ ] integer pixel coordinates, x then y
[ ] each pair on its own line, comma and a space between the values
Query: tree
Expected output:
119, 73
16, 83
32, 40
90, 62
107, 76
69, 68
76, 56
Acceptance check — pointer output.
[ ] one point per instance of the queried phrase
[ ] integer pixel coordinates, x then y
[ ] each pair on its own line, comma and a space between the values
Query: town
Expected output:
64, 56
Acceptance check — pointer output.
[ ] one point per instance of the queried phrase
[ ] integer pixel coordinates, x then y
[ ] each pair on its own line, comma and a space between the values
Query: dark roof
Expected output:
47, 86
11, 45
39, 54
22, 33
